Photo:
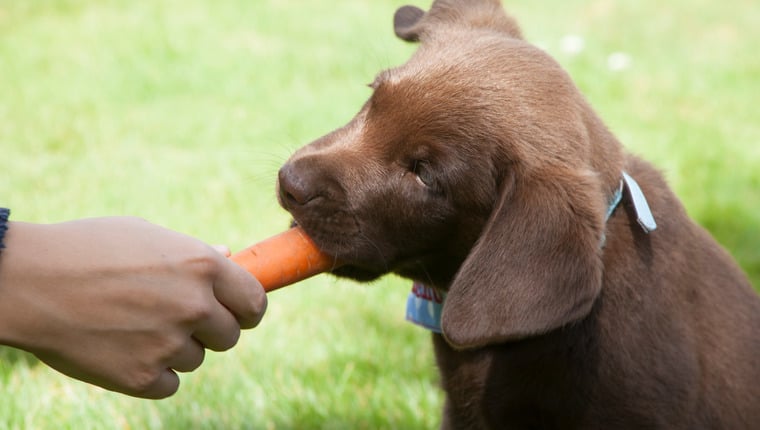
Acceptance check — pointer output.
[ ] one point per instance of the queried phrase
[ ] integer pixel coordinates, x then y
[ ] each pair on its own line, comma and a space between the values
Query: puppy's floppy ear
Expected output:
537, 265
405, 23
412, 24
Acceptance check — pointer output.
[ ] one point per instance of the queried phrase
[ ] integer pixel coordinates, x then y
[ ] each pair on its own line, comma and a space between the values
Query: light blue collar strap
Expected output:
640, 205
643, 213
424, 305
615, 201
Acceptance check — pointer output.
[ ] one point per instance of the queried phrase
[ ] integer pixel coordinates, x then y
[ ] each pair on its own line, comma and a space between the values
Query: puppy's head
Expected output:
477, 168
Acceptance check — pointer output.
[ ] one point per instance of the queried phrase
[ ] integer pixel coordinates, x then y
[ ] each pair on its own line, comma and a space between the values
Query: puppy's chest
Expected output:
523, 385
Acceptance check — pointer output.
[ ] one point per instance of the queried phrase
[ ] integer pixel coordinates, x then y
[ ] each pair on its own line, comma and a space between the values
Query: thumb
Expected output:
222, 249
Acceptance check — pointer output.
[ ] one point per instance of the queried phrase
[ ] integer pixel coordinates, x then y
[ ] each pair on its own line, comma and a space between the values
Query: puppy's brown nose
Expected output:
296, 188
304, 181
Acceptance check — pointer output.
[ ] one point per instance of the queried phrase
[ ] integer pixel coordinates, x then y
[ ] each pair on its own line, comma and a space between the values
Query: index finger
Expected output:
241, 293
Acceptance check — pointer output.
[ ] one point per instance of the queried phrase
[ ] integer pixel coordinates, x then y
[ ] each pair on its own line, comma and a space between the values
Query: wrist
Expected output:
7, 314
18, 268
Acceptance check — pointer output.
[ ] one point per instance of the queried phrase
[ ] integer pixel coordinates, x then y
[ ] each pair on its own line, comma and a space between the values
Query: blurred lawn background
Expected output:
182, 111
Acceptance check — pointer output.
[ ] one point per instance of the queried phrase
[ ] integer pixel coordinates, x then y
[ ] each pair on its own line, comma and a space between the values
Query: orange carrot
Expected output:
284, 259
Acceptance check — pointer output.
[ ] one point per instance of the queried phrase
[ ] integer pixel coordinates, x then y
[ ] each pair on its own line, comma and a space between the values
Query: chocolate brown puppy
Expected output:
578, 293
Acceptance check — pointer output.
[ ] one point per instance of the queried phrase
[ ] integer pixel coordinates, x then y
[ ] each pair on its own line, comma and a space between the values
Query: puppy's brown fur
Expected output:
478, 168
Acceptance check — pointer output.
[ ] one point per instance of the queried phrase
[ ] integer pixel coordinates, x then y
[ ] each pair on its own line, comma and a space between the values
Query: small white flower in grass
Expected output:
572, 44
618, 61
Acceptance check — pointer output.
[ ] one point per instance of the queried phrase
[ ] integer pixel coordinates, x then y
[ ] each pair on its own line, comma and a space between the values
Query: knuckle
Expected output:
199, 360
224, 343
256, 312
204, 261
197, 310
233, 339
172, 346
251, 310
142, 379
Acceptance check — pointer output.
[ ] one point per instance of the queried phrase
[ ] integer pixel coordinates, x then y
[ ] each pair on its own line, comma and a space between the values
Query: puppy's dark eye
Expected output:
423, 173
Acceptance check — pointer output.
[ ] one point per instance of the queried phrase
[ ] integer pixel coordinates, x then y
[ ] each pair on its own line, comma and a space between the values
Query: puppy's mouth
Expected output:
324, 213
344, 244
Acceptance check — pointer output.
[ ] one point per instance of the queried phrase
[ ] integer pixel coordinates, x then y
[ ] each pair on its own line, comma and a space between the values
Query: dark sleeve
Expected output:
4, 213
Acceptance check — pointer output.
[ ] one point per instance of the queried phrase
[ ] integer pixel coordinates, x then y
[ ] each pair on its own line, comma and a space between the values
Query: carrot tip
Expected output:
284, 259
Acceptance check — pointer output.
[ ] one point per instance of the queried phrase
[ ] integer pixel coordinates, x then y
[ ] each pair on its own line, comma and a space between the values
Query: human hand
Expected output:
120, 302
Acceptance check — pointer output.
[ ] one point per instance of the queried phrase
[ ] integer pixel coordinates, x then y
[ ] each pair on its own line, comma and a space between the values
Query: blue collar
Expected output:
643, 214
424, 305
640, 205
614, 201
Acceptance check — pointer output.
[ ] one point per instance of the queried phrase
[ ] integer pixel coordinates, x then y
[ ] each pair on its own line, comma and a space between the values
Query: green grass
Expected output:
182, 111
